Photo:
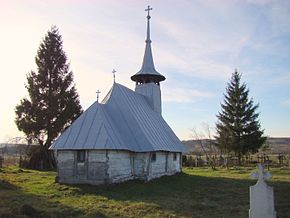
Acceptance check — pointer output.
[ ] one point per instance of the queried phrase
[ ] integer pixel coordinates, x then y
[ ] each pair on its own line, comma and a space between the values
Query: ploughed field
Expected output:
197, 192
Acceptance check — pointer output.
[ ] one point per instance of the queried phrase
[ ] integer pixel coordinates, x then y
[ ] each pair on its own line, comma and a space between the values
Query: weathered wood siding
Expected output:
140, 165
66, 164
173, 165
158, 167
81, 171
97, 166
164, 165
119, 166
101, 166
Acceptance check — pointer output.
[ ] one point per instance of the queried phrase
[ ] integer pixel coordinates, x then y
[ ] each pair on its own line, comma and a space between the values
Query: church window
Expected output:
81, 155
174, 156
153, 157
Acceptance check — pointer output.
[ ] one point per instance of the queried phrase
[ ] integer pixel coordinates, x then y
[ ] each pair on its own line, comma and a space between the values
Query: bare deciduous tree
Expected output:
206, 142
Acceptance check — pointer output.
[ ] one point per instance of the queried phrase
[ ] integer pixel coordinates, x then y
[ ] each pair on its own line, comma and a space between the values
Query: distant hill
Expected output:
277, 145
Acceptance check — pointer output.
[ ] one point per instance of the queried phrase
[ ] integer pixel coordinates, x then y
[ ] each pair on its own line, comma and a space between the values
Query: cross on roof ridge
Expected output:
114, 74
98, 92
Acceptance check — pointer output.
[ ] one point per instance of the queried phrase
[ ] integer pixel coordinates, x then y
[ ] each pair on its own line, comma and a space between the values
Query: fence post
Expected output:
1, 161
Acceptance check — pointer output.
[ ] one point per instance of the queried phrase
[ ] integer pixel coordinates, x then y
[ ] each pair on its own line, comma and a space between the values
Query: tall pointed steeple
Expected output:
148, 73
148, 79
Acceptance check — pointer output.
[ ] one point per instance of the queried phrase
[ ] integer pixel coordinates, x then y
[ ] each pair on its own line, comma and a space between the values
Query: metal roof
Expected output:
123, 121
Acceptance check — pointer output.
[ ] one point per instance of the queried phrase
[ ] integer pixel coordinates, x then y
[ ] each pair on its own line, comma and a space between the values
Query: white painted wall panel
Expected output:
64, 156
173, 165
97, 171
153, 94
140, 164
119, 165
158, 166
66, 164
97, 156
114, 166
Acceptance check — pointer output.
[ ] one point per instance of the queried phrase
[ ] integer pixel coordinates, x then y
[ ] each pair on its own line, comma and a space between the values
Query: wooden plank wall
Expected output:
103, 166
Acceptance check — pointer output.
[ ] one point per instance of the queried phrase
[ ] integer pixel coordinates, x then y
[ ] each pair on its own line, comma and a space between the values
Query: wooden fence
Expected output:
275, 160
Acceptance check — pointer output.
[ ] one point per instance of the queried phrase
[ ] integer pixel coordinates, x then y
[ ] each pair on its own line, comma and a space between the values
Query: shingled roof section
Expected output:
123, 121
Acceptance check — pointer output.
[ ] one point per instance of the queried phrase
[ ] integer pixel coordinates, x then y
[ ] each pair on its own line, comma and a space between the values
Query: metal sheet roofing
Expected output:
123, 121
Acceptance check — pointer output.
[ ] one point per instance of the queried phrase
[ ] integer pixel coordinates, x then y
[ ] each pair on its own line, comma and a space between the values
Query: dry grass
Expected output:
197, 192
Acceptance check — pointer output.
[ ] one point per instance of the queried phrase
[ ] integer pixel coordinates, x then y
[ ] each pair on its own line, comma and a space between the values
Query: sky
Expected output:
197, 45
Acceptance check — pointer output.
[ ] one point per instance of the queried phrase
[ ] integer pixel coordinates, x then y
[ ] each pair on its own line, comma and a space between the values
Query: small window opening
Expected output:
81, 156
153, 157
174, 156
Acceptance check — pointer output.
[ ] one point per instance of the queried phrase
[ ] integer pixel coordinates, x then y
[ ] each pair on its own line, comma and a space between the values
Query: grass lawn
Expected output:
197, 192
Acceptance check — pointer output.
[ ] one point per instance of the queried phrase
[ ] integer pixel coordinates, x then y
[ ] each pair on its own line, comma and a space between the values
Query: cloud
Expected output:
204, 46
260, 2
287, 102
184, 95
196, 44
282, 80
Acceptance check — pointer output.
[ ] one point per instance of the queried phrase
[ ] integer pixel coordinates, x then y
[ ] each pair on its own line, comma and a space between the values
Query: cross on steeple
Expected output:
98, 92
148, 9
148, 73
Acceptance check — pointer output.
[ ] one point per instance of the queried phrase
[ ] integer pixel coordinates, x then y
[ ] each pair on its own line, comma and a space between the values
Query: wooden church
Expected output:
124, 137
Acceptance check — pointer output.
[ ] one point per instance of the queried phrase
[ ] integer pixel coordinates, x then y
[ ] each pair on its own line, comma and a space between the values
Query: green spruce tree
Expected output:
238, 127
53, 102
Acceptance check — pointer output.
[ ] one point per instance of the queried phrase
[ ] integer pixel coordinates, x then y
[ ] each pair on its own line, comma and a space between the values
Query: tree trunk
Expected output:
41, 158
239, 159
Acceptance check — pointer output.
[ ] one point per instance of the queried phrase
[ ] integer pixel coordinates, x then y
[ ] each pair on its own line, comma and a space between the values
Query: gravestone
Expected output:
261, 196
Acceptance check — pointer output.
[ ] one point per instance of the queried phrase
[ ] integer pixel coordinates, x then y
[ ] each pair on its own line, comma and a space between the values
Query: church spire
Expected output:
148, 73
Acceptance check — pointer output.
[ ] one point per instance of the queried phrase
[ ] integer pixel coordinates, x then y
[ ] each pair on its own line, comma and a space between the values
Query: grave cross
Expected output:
261, 196
261, 175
